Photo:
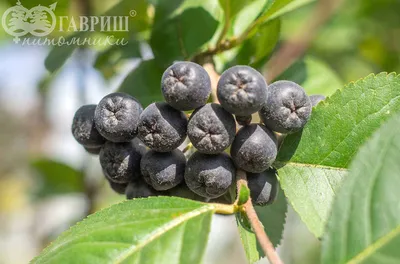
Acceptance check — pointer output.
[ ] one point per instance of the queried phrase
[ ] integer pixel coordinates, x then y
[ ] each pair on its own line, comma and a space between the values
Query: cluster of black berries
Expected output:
138, 148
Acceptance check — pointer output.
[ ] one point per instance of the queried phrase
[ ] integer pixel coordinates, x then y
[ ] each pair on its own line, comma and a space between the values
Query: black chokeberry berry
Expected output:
263, 187
244, 120
211, 129
139, 189
117, 117
84, 129
118, 187
209, 176
242, 90
254, 148
93, 151
184, 192
186, 86
163, 170
287, 108
121, 161
162, 128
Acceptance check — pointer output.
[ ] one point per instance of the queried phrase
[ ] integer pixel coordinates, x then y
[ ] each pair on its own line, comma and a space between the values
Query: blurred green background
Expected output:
48, 182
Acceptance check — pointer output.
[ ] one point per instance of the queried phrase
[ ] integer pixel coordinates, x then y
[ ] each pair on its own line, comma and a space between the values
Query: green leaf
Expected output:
273, 219
57, 178
365, 223
232, 7
281, 7
59, 54
315, 76
137, 23
310, 190
247, 15
61, 9
257, 48
144, 83
177, 33
108, 60
249, 242
152, 230
312, 163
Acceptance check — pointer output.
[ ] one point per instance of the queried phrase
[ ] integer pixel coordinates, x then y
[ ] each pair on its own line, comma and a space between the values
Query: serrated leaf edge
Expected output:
209, 207
326, 102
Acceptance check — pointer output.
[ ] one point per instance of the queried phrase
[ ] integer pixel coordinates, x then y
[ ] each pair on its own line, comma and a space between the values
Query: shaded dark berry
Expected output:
244, 120
93, 151
254, 148
263, 187
183, 191
162, 128
84, 129
209, 176
211, 129
163, 170
118, 187
139, 189
117, 117
121, 161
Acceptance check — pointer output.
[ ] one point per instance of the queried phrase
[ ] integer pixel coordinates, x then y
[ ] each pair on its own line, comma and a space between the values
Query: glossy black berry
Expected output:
242, 90
163, 170
84, 129
209, 176
117, 117
121, 161
186, 86
254, 148
162, 128
139, 189
316, 98
263, 187
211, 129
287, 108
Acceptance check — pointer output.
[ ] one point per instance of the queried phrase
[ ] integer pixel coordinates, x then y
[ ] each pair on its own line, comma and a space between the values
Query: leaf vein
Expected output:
161, 230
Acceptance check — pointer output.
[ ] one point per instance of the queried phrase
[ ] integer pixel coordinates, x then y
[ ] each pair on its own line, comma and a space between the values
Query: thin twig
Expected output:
258, 229
227, 24
294, 48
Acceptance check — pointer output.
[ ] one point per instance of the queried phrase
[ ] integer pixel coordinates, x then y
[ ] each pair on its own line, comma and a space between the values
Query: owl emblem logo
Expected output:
39, 21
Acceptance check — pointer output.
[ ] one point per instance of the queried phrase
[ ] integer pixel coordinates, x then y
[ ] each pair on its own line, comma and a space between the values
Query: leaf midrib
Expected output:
162, 230
280, 164
374, 247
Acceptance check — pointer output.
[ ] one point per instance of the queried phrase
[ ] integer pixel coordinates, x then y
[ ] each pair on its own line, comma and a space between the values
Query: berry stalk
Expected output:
256, 225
